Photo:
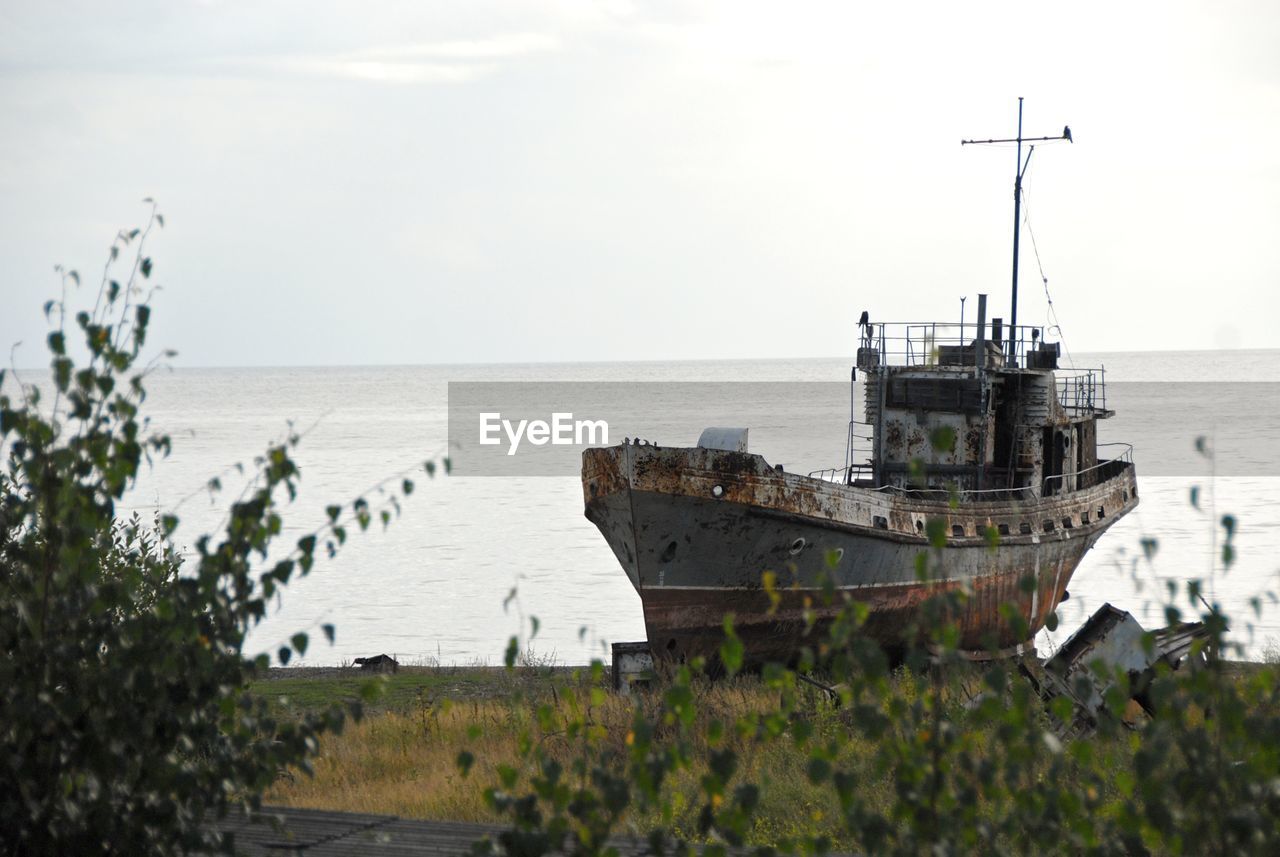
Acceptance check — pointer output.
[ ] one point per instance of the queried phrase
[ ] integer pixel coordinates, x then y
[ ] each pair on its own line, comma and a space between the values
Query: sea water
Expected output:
470, 560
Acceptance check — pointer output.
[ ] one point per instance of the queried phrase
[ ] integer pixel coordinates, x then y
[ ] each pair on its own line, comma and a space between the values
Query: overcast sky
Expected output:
418, 182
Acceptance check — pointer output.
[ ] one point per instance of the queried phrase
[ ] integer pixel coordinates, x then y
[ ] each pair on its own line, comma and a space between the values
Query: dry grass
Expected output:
403, 762
394, 763
402, 757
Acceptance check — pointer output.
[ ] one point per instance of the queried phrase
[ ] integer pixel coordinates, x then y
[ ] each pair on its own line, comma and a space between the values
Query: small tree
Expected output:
126, 724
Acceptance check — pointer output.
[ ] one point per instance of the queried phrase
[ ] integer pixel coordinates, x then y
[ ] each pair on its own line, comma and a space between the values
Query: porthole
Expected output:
957, 531
717, 491
1066, 524
1025, 528
796, 547
839, 554
1048, 526
1003, 529
668, 553
880, 522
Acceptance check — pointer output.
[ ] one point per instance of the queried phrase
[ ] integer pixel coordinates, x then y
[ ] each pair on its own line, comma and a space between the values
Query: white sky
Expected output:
413, 182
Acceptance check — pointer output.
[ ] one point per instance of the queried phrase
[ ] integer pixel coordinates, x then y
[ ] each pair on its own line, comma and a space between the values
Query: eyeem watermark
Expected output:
563, 430
537, 428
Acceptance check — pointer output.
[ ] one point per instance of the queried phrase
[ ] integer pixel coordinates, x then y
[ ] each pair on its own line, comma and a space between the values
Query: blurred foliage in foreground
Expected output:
935, 755
125, 723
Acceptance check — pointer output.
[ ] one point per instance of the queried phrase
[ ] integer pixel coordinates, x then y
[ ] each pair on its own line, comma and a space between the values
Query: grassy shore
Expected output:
401, 758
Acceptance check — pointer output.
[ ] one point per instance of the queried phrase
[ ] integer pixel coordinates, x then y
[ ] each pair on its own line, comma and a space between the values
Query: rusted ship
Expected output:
695, 528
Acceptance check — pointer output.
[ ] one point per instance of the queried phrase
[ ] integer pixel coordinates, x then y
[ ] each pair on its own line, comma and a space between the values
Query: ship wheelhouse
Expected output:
975, 412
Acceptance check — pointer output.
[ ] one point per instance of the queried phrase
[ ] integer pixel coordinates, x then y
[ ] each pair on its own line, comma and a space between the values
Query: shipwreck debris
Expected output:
632, 666
1109, 643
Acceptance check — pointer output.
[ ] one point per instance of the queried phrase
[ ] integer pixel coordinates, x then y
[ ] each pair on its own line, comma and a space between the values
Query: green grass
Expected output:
313, 688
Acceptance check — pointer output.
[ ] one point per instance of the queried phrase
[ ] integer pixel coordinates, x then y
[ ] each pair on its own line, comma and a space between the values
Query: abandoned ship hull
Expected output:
695, 529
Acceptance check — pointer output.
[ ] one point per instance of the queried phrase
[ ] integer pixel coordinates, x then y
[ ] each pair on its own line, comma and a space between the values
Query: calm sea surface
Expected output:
432, 586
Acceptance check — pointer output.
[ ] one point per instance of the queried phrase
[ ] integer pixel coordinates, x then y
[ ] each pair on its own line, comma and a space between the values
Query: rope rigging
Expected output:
1056, 327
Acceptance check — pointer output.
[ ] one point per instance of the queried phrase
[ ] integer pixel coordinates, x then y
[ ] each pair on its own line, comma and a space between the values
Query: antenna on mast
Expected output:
1021, 169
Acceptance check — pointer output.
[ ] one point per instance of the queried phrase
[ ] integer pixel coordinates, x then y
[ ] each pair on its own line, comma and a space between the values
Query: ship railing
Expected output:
1105, 468
960, 494
932, 343
1082, 391
847, 475
1123, 451
857, 456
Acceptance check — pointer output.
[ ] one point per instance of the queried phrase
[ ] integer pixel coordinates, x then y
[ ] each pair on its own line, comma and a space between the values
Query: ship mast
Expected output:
1020, 169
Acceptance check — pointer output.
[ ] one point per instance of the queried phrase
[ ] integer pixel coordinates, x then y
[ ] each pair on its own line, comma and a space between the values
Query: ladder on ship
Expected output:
1025, 439
859, 451
1033, 412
